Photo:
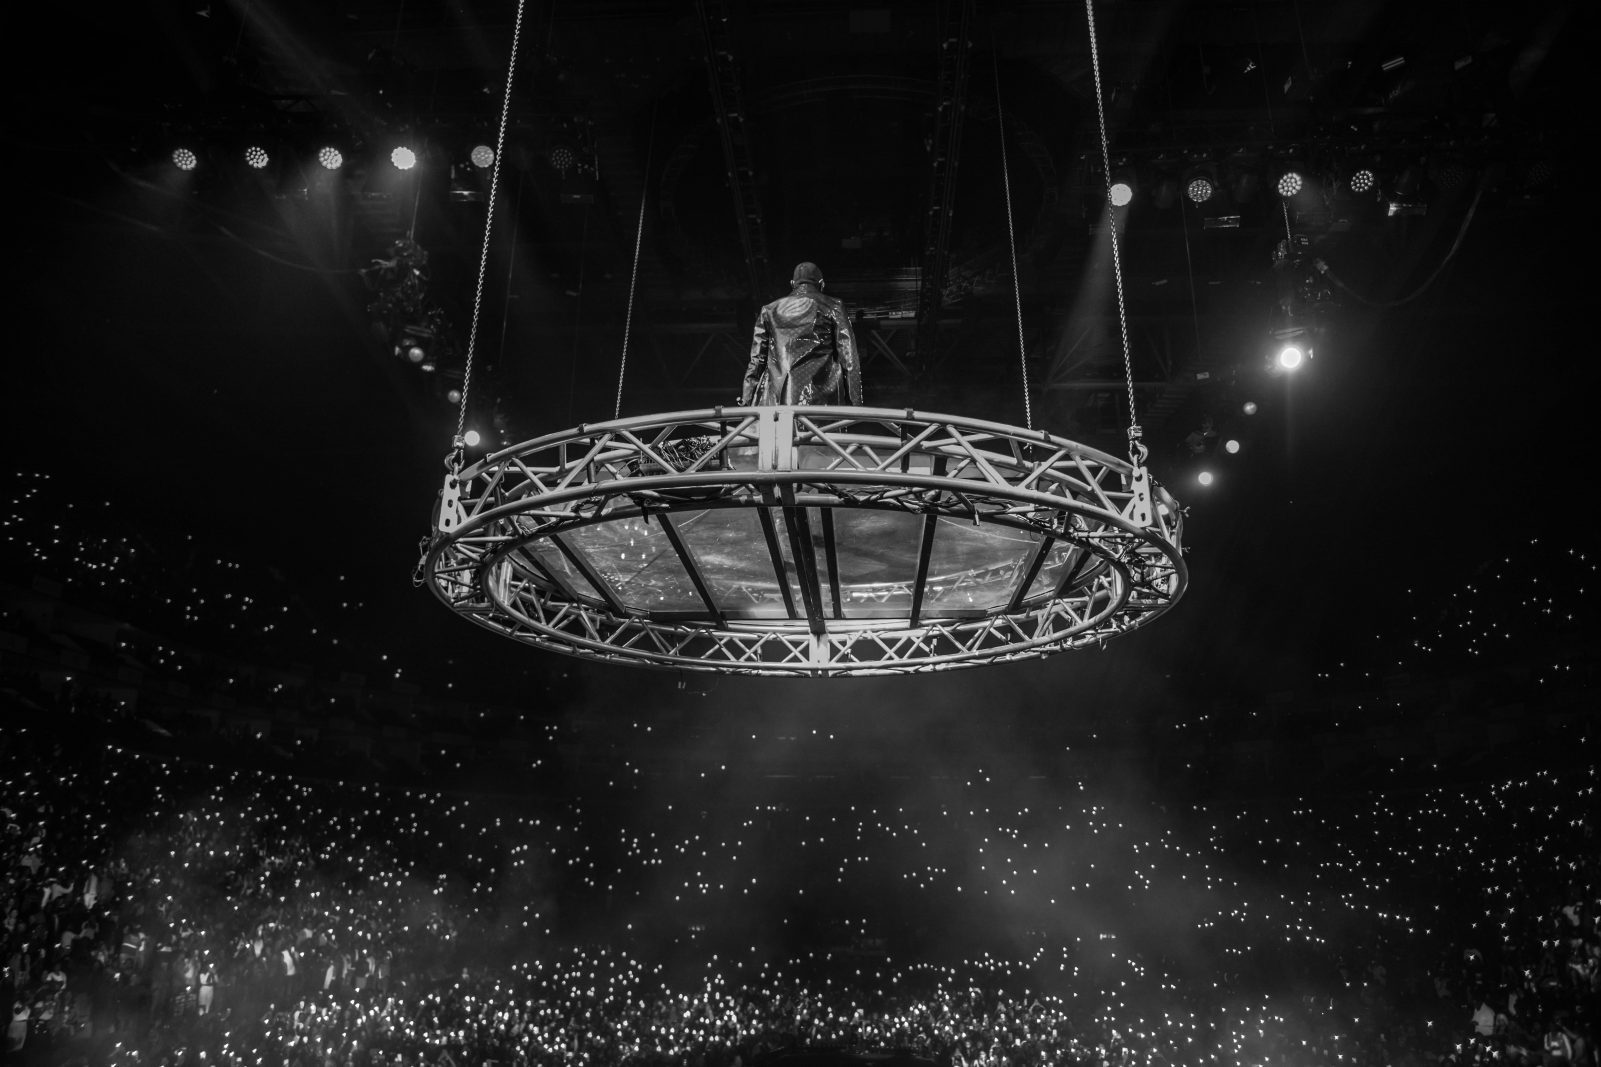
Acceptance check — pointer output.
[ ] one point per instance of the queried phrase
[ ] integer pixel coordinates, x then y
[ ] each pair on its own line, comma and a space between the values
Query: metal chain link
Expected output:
1111, 224
489, 227
1011, 240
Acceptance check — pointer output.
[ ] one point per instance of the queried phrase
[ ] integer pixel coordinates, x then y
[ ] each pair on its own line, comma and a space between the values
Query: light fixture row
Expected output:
402, 157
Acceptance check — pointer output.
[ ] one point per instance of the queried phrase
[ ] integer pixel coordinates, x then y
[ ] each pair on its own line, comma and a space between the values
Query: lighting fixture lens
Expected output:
330, 157
403, 158
416, 353
1291, 356
561, 157
1249, 408
185, 159
1200, 190
1120, 194
454, 396
1231, 446
256, 157
483, 157
1205, 477
1362, 181
1290, 183
472, 438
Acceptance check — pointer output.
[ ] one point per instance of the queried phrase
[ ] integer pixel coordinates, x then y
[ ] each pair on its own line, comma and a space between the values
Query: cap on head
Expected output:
806, 272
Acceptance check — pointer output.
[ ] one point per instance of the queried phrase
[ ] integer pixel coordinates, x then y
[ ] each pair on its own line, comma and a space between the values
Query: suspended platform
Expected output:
805, 541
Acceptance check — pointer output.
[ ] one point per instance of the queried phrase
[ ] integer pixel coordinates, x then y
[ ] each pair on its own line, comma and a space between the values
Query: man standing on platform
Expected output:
803, 351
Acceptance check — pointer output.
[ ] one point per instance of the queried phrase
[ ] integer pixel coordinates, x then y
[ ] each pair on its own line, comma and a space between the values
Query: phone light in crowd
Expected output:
185, 158
483, 157
1363, 180
1231, 446
1290, 183
1204, 478
1290, 356
330, 157
256, 157
1249, 407
1120, 193
471, 437
403, 158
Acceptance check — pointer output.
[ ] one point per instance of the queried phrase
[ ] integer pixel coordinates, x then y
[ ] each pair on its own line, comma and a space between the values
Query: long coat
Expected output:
803, 352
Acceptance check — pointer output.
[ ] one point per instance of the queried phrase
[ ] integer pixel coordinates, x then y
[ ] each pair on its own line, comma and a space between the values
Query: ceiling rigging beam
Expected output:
728, 99
955, 26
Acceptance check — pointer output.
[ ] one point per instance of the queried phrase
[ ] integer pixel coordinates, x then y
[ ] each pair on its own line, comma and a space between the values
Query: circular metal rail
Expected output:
805, 541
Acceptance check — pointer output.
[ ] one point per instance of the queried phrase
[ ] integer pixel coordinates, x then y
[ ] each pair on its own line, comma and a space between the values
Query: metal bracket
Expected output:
1141, 512
450, 514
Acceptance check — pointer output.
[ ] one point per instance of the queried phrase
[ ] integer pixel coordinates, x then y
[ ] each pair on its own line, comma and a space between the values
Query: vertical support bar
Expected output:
691, 565
770, 534
930, 521
1030, 572
831, 553
800, 543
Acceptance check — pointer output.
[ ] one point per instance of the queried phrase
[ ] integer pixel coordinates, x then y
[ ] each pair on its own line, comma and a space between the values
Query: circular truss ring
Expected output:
805, 541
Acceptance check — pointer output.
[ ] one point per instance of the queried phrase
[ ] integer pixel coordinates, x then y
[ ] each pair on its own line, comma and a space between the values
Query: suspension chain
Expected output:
633, 279
459, 442
1137, 450
1011, 240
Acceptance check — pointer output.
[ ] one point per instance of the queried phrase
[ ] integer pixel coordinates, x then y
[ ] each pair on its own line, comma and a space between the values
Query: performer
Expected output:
803, 351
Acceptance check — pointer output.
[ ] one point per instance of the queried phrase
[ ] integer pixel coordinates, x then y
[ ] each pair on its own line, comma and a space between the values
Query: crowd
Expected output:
165, 912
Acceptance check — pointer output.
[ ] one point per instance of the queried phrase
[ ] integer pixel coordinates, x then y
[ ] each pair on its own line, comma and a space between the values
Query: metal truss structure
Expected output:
805, 541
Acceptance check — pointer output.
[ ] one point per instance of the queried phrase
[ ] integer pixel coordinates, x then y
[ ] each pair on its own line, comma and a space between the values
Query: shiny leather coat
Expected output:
803, 352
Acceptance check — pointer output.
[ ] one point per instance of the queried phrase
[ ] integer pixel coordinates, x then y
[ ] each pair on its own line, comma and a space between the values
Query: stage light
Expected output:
1363, 180
416, 353
454, 396
1290, 183
185, 159
256, 157
1249, 407
483, 157
1291, 356
1205, 478
330, 157
1231, 446
1200, 189
403, 158
1121, 193
562, 158
471, 437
